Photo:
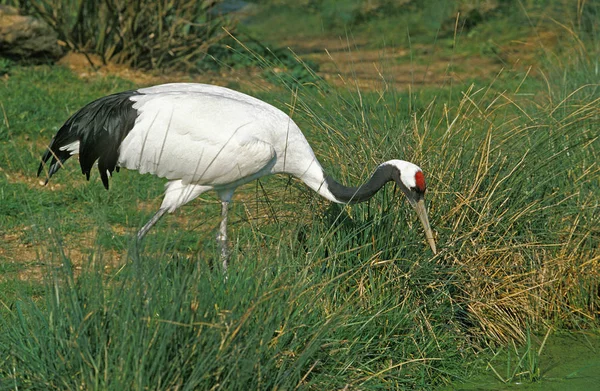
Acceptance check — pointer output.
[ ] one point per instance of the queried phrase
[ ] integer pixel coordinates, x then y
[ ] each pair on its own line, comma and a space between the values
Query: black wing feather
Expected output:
100, 127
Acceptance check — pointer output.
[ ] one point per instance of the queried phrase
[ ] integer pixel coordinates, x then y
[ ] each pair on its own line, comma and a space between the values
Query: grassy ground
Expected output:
318, 296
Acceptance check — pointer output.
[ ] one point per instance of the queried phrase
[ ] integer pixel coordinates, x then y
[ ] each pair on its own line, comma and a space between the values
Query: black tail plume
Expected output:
100, 127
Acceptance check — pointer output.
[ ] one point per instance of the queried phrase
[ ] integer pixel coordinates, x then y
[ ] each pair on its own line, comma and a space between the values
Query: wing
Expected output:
198, 133
199, 138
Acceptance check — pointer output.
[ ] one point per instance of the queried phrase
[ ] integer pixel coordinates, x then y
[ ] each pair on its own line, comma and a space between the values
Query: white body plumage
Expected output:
202, 137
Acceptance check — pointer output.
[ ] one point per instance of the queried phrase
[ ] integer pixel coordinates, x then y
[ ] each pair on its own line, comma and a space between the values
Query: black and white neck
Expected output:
407, 175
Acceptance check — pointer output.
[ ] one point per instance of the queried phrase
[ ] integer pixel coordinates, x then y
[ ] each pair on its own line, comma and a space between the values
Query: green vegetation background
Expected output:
320, 296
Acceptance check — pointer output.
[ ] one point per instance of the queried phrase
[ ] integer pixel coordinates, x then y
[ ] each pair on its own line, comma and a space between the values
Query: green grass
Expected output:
161, 320
465, 26
318, 296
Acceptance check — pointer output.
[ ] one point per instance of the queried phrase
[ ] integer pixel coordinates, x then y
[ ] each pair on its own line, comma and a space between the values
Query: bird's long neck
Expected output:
344, 194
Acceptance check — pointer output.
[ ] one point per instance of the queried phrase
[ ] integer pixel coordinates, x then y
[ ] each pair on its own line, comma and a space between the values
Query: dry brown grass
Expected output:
515, 269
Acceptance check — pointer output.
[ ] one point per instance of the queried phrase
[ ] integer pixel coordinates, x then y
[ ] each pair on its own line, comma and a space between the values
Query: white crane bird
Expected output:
203, 137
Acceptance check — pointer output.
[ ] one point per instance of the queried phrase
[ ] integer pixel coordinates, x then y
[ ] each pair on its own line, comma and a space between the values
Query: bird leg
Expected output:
144, 230
222, 235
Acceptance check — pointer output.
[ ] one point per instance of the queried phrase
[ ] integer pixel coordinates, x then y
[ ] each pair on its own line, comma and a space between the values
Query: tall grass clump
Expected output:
141, 34
328, 318
523, 221
519, 170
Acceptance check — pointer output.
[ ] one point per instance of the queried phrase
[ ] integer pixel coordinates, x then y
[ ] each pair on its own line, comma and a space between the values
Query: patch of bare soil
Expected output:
344, 63
339, 63
15, 249
92, 66
35, 259
354, 64
30, 180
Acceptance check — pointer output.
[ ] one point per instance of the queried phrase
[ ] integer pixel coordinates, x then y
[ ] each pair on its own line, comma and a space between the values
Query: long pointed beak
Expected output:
422, 213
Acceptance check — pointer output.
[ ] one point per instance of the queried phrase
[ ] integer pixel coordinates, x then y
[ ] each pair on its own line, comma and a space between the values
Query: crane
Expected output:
204, 137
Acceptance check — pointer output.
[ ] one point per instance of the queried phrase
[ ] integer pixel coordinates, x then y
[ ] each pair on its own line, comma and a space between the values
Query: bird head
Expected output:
411, 181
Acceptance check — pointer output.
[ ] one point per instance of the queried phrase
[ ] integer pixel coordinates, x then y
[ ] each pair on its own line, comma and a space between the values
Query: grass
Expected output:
317, 296
259, 329
521, 365
487, 28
